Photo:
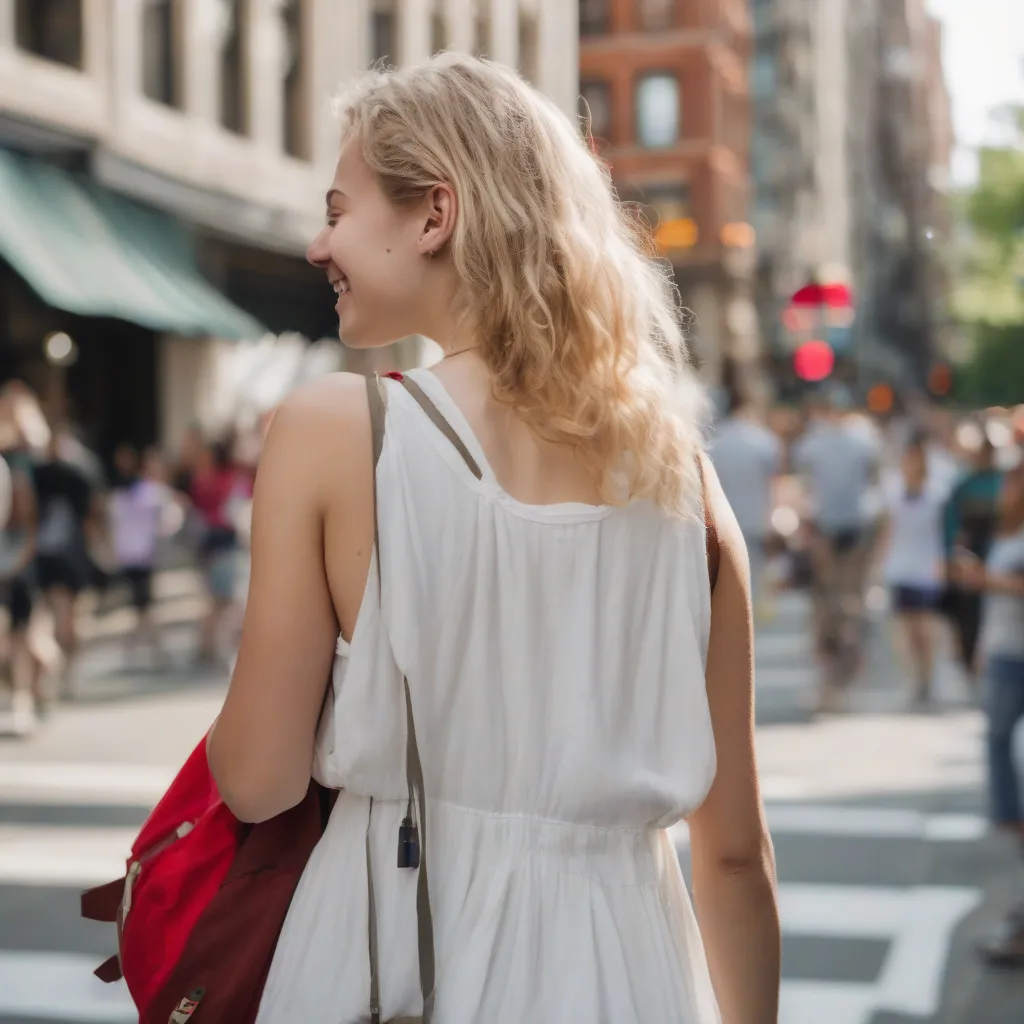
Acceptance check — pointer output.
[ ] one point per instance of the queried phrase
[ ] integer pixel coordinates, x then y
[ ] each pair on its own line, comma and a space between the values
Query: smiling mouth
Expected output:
341, 286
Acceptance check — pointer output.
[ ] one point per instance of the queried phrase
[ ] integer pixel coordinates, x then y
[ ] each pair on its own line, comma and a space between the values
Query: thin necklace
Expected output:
458, 352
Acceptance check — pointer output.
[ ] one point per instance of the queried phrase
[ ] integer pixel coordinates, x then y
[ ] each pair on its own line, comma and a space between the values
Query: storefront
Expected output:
90, 283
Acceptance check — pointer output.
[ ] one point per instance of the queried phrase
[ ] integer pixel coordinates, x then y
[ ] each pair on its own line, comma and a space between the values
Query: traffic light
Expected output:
814, 360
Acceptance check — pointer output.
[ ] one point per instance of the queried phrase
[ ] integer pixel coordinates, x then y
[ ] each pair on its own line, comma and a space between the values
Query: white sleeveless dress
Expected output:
555, 656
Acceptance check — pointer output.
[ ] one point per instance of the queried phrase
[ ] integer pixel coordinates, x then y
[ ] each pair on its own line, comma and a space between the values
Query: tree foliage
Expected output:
990, 295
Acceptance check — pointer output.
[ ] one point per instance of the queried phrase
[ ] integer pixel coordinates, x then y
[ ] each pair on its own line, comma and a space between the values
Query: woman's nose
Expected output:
318, 253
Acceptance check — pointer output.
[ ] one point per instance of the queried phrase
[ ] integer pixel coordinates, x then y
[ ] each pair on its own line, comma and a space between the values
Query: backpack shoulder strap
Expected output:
375, 399
414, 778
437, 418
710, 527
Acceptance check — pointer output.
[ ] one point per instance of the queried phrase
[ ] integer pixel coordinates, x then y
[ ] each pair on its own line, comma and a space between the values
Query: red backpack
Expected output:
183, 913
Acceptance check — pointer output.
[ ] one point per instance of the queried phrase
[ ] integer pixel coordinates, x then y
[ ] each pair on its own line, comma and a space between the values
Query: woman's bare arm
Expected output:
733, 859
313, 472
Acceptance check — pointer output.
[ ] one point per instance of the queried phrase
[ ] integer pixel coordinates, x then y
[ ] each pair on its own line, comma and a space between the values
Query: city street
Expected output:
887, 877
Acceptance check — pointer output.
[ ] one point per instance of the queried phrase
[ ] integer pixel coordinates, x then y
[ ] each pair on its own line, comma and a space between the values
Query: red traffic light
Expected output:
814, 360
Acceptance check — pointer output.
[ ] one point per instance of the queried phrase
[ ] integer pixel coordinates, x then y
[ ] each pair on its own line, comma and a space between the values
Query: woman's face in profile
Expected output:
370, 251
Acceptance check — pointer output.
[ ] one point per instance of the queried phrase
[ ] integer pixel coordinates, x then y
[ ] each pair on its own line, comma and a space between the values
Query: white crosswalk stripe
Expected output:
916, 922
60, 986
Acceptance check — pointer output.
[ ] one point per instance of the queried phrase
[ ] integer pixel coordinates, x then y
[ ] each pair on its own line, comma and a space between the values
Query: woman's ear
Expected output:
440, 212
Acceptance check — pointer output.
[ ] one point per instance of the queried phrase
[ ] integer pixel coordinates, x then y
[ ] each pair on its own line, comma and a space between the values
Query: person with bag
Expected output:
542, 596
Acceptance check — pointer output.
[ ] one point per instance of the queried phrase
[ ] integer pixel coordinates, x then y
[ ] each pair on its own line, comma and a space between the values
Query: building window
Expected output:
657, 110
657, 15
160, 52
596, 105
51, 29
665, 208
661, 204
595, 17
234, 113
296, 114
382, 29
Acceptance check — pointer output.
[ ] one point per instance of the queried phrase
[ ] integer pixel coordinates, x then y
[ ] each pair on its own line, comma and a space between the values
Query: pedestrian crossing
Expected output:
785, 670
783, 653
866, 936
901, 931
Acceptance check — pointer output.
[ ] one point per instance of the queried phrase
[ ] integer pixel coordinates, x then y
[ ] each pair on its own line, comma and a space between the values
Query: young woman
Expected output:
543, 590
914, 562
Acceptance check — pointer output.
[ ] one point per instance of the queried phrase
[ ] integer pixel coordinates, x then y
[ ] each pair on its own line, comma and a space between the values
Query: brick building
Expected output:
665, 84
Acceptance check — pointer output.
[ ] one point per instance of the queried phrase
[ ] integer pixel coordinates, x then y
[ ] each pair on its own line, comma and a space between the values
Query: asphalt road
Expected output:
886, 872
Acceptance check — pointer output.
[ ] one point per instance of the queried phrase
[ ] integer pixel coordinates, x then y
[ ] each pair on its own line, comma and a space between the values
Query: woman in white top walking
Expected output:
540, 583
914, 562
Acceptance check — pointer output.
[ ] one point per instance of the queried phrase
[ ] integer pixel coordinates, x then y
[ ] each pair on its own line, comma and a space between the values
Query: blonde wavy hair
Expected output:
577, 322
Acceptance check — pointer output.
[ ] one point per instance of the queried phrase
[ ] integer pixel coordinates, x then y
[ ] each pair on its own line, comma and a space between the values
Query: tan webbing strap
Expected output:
437, 418
375, 397
710, 528
424, 917
414, 779
371, 915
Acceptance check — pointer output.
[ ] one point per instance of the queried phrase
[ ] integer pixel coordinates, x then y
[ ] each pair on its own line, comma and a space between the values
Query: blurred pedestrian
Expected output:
572, 685
914, 562
190, 453
839, 464
1000, 579
970, 519
748, 460
137, 513
216, 489
69, 518
17, 554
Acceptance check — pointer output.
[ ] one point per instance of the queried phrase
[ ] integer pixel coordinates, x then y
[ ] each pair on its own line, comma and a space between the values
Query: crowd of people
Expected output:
72, 525
907, 503
929, 513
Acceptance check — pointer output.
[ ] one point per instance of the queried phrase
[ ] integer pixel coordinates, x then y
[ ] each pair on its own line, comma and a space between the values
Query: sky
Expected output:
983, 54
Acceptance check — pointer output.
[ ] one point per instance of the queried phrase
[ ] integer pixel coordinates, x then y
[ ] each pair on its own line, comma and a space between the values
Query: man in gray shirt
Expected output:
747, 458
839, 466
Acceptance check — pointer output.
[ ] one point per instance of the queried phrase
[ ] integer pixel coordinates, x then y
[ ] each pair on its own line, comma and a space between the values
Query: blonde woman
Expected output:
542, 587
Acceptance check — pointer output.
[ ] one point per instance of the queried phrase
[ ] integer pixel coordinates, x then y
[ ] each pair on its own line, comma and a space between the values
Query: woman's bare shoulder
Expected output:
323, 424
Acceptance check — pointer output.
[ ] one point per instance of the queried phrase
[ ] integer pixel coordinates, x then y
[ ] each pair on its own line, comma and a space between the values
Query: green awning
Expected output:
89, 251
